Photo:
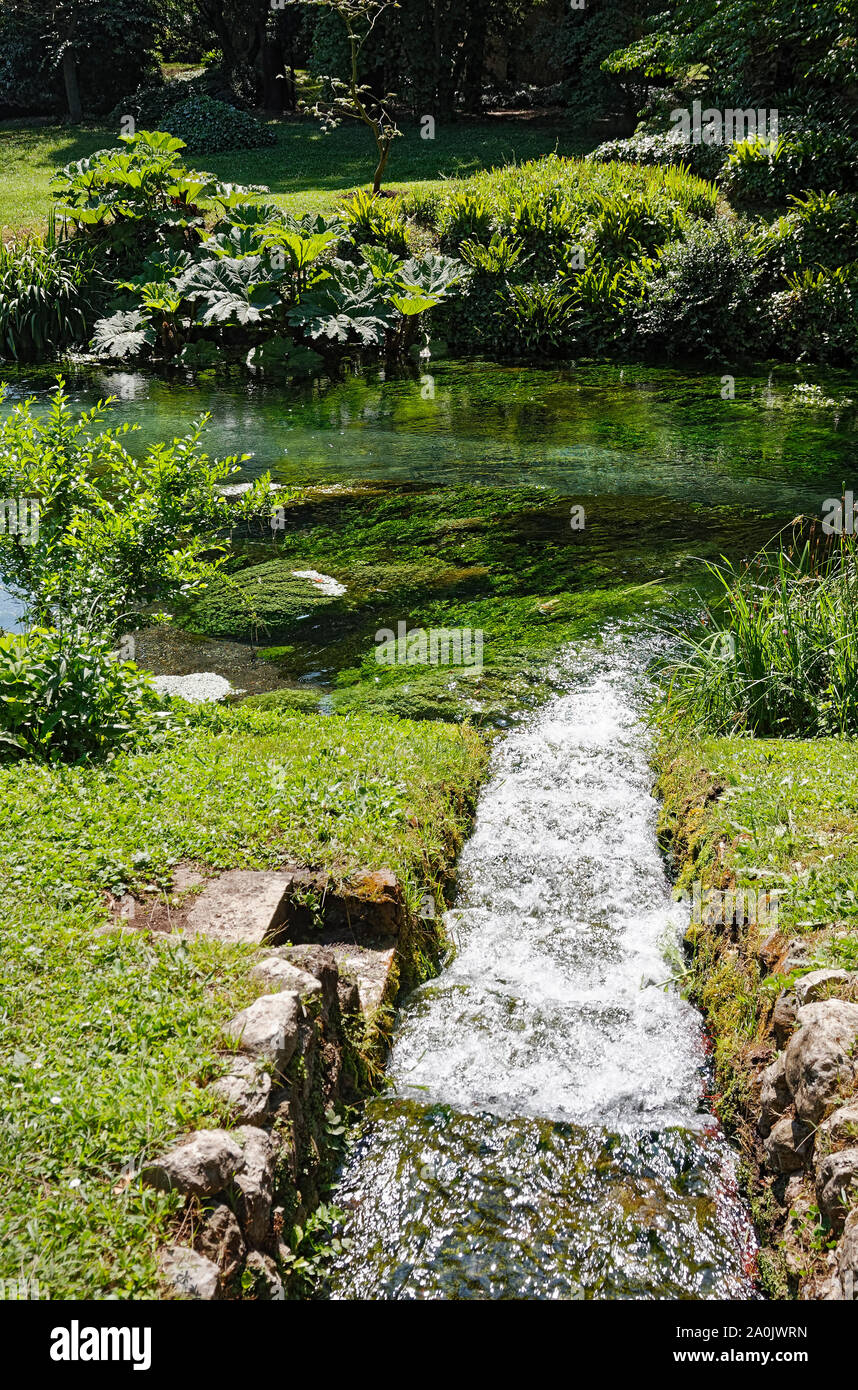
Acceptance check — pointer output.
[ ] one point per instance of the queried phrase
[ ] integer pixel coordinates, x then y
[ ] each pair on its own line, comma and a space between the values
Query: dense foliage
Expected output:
778, 654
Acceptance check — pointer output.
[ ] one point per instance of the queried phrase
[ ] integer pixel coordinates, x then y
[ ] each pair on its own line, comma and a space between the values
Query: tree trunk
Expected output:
72, 85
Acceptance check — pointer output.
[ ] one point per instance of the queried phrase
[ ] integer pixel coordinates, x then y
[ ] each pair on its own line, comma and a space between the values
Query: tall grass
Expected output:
777, 652
42, 307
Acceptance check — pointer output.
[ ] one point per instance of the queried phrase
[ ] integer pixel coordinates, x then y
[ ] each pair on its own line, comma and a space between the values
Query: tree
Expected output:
351, 98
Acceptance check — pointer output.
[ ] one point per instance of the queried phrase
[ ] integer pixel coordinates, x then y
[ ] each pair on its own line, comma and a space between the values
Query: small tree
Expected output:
352, 98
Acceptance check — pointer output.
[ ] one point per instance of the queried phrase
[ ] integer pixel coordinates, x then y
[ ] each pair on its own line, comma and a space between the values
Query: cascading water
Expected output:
544, 1135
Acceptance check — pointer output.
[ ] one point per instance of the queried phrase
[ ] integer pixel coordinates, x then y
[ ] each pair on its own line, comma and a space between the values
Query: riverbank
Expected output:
778, 817
110, 1032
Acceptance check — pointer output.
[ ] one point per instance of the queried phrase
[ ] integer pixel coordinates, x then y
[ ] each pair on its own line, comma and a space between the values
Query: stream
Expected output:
545, 1133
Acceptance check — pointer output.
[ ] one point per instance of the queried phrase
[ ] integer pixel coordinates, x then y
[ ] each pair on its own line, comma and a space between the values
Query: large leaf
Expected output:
349, 304
431, 275
229, 290
123, 334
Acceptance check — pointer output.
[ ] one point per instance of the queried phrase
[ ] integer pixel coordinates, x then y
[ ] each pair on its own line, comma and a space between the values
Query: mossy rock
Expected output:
304, 701
263, 602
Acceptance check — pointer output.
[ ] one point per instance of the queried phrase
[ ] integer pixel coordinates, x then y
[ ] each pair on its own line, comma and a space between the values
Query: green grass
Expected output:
104, 1039
305, 170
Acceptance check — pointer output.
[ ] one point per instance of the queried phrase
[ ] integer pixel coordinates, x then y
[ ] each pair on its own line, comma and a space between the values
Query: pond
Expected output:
545, 1131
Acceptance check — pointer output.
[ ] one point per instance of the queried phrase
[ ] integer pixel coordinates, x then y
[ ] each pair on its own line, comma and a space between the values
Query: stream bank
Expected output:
780, 996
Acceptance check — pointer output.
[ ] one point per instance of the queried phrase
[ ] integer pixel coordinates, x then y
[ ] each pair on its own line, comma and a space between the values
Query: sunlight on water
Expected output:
546, 1137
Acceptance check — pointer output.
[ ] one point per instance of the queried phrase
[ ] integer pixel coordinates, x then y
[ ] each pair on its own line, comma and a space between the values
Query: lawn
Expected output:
105, 1038
305, 170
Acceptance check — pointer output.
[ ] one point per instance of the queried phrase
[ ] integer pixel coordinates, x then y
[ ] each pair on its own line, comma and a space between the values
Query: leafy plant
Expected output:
777, 654
65, 697
42, 305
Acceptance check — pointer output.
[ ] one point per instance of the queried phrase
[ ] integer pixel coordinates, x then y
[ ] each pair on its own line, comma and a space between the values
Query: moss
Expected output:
261, 600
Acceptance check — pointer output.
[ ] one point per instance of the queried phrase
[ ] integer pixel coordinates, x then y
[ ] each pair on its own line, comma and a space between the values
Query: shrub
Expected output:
777, 655
662, 147
42, 305
816, 317
372, 220
804, 156
820, 230
64, 697
208, 126
701, 296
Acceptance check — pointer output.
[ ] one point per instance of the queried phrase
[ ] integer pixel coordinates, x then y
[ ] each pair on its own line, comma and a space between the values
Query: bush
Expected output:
64, 697
662, 147
702, 296
42, 308
816, 318
208, 127
820, 230
803, 157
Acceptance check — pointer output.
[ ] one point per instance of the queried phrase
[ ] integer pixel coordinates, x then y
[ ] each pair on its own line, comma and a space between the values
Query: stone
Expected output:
243, 905
847, 1258
789, 1146
255, 1183
246, 1088
349, 997
841, 1127
379, 889
203, 1164
784, 1017
371, 970
775, 1097
268, 1028
837, 1185
816, 984
819, 1061
275, 974
220, 1240
269, 1287
188, 1274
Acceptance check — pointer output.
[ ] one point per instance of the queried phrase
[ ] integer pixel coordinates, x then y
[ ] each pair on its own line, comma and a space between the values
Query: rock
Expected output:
245, 905
276, 974
255, 1182
816, 984
189, 1274
847, 1258
268, 1028
819, 1061
321, 963
775, 1097
840, 1128
371, 971
789, 1146
220, 1240
203, 1164
246, 1090
349, 997
269, 1287
795, 958
837, 1185
379, 891
784, 1017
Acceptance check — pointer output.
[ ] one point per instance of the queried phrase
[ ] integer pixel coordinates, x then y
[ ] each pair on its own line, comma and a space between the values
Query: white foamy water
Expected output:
545, 1135
564, 910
